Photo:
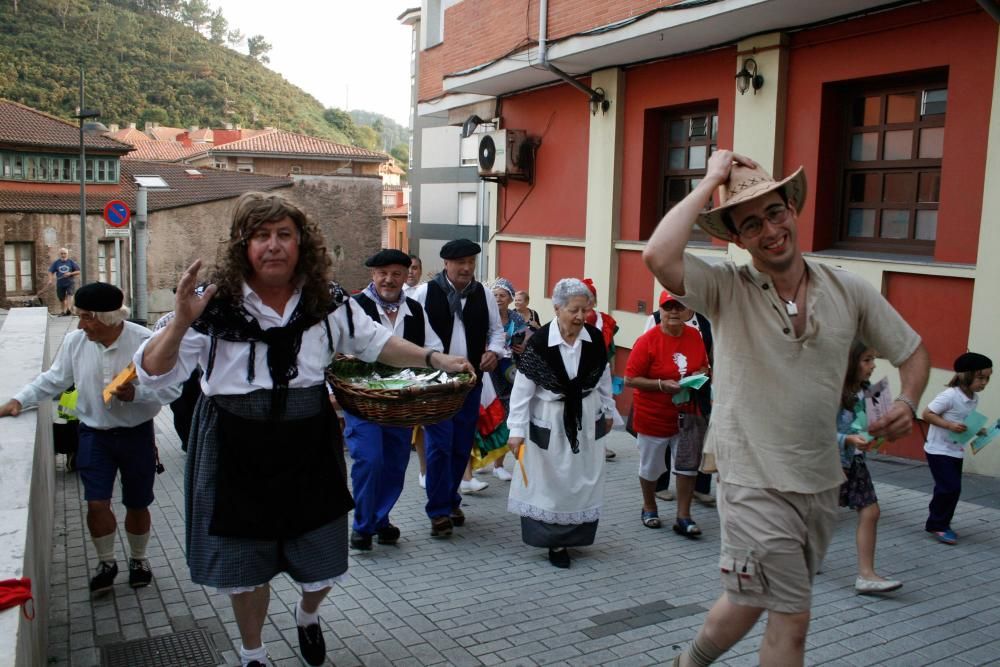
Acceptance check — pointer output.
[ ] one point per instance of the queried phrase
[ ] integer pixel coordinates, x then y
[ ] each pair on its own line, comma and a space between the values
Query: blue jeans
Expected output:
379, 456
448, 445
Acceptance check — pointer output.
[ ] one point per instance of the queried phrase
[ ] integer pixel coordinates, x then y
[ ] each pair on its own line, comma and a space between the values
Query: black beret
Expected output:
460, 248
387, 256
972, 361
98, 298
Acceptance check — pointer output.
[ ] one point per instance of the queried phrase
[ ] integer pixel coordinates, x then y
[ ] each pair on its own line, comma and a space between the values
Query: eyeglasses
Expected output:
673, 305
752, 227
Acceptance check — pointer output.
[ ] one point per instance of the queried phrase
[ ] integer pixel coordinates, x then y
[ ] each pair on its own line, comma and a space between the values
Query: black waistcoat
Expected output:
475, 317
413, 324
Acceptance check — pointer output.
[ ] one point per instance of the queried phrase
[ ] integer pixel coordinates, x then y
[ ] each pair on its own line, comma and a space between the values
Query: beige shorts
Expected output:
772, 544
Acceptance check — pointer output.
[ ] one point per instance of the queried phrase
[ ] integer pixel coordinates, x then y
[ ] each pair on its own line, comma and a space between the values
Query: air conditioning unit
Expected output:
505, 154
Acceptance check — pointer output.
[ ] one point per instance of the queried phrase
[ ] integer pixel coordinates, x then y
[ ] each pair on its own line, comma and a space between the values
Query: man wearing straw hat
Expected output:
468, 324
784, 326
380, 454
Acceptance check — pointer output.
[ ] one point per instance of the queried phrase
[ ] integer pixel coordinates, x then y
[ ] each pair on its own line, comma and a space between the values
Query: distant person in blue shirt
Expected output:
63, 271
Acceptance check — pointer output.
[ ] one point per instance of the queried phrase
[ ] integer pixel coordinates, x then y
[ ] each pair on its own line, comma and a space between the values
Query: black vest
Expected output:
475, 317
413, 324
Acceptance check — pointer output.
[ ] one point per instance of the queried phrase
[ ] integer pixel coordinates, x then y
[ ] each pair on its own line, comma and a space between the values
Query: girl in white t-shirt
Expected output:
946, 414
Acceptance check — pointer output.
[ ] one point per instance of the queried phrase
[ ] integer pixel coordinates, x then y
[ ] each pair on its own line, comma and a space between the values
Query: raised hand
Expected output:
721, 163
188, 306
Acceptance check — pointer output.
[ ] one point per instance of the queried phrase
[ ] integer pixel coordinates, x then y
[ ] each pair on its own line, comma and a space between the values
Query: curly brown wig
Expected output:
252, 210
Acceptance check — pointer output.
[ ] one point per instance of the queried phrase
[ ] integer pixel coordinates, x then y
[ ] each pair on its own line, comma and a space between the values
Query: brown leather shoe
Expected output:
441, 526
457, 517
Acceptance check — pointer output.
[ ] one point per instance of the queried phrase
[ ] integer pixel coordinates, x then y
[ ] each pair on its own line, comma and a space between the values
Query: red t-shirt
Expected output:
657, 355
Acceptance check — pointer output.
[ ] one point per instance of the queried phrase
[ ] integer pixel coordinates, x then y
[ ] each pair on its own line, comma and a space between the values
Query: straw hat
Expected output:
745, 184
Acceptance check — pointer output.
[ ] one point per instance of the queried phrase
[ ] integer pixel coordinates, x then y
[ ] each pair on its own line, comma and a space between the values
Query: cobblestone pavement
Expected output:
483, 598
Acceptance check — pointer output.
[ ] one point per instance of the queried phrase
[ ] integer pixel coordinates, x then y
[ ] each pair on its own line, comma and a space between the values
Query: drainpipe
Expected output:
597, 98
991, 7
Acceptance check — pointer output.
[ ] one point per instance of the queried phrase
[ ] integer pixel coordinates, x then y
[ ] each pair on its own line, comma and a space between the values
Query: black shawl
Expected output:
229, 320
544, 366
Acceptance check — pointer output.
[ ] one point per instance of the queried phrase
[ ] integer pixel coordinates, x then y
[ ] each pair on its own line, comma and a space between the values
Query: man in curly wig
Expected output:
266, 485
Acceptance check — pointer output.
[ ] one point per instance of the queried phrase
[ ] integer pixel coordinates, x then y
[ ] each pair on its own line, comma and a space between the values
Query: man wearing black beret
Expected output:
469, 326
117, 436
380, 454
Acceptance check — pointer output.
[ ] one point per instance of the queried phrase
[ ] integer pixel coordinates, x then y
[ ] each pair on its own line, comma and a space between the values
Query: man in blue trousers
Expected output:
380, 454
467, 321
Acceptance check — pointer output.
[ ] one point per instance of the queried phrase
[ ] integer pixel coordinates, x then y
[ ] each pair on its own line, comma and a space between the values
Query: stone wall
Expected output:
27, 495
347, 209
49, 232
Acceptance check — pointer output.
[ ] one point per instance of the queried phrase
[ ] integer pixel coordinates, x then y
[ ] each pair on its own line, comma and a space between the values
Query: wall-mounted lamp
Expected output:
748, 77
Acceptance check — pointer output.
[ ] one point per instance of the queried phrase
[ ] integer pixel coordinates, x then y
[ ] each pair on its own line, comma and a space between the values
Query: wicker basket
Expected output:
409, 406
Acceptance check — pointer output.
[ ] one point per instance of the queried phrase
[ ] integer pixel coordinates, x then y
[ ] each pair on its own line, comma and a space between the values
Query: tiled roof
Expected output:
164, 133
128, 135
164, 151
201, 136
185, 189
282, 142
24, 126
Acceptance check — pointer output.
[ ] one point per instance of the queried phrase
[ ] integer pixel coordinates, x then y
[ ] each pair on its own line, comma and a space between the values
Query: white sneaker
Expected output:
705, 498
472, 486
866, 586
502, 474
422, 480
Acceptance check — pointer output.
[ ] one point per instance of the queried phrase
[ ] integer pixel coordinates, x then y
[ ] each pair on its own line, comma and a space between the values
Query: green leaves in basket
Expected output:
380, 376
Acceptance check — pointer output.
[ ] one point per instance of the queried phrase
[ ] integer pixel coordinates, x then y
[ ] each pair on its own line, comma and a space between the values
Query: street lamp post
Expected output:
83, 114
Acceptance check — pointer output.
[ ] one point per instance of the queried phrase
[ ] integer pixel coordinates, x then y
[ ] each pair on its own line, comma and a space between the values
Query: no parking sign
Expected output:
117, 215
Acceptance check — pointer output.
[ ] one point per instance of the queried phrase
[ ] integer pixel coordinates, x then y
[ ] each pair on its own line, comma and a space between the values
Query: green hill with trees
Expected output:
174, 62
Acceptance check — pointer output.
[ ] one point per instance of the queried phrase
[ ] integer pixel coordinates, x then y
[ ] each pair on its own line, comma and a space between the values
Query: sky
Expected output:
346, 54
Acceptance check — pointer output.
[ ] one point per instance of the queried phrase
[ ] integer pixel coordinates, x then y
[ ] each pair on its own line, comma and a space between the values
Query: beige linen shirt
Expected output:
774, 415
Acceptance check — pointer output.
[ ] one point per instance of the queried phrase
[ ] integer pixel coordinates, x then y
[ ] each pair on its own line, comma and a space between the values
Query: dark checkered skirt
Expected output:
858, 491
233, 562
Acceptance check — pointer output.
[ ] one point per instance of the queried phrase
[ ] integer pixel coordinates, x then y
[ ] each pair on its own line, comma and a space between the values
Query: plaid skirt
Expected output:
234, 562
858, 491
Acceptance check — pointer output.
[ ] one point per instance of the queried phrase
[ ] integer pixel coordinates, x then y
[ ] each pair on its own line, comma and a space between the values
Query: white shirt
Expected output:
525, 389
229, 372
431, 340
495, 338
91, 367
951, 404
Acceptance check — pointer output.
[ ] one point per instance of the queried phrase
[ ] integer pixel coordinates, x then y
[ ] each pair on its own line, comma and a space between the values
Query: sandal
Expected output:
651, 519
687, 528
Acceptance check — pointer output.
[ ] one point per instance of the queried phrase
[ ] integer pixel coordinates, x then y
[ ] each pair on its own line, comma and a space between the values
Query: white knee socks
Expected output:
105, 546
137, 545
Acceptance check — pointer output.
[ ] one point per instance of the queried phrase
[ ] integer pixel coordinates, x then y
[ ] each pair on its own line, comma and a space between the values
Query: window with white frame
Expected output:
107, 265
19, 267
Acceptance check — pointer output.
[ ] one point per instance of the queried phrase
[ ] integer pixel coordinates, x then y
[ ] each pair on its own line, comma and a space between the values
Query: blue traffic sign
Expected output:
116, 213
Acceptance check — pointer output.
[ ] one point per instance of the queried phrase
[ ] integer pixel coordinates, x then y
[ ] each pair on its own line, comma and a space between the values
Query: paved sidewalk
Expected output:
483, 598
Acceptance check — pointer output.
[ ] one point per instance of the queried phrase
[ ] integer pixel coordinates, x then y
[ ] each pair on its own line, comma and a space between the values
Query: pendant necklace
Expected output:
790, 306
